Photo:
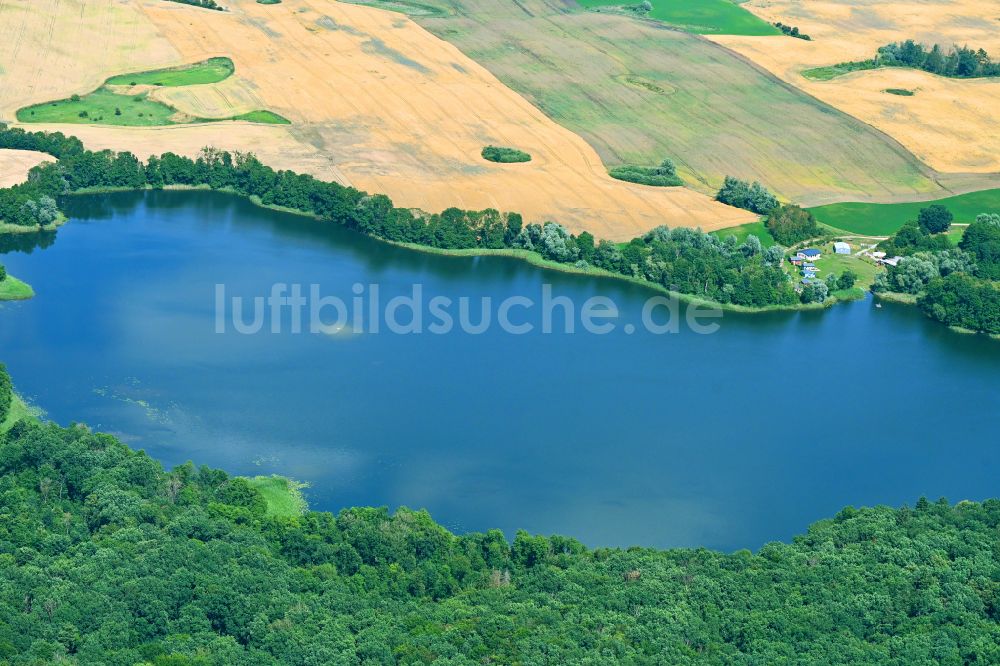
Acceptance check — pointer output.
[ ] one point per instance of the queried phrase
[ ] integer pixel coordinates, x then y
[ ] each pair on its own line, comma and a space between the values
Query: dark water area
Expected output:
726, 440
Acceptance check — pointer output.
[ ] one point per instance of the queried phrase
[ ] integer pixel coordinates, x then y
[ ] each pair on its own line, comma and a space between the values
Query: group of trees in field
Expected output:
790, 224
206, 4
958, 61
956, 286
107, 558
505, 155
683, 260
924, 234
749, 196
792, 31
663, 175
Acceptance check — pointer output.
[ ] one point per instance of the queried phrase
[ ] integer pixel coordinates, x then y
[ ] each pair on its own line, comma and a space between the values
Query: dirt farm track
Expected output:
375, 101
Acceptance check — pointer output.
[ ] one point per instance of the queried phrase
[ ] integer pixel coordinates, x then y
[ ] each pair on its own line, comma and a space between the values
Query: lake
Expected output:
726, 440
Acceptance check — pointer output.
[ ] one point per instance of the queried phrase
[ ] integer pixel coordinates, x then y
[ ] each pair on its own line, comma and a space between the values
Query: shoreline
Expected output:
13, 289
532, 258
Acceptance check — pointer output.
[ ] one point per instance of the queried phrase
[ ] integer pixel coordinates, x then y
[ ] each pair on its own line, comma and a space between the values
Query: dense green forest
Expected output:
683, 260
107, 558
956, 286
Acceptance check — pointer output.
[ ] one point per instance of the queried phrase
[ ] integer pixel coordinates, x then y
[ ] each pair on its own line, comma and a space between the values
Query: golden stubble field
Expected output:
374, 99
15, 164
950, 124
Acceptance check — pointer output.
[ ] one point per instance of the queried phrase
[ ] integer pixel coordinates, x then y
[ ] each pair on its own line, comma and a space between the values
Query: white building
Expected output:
841, 248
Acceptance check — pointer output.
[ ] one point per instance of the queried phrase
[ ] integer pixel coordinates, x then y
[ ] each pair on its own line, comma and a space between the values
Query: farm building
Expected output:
841, 248
809, 254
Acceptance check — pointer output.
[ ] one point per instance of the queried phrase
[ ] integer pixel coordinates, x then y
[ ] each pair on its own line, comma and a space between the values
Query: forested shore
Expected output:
700, 267
681, 260
106, 557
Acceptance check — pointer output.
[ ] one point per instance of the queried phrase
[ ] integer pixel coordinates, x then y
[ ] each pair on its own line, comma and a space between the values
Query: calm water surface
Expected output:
727, 440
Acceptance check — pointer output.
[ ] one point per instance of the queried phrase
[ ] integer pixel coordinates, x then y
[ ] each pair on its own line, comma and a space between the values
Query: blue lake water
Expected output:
727, 440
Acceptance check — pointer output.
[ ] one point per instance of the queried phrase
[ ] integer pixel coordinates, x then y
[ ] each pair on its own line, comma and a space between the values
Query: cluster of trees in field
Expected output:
505, 155
106, 558
792, 31
957, 286
664, 175
790, 224
959, 61
206, 4
749, 196
924, 234
683, 260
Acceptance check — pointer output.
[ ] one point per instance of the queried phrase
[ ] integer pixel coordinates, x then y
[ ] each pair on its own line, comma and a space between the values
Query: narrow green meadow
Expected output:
212, 70
719, 17
885, 219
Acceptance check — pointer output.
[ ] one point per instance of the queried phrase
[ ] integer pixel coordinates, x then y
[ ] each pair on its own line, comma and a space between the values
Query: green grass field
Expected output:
741, 232
269, 117
833, 71
12, 289
212, 70
720, 17
102, 107
408, 7
885, 219
107, 107
18, 410
284, 496
638, 93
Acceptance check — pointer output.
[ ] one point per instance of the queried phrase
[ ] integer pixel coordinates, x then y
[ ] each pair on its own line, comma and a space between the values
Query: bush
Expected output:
505, 155
847, 279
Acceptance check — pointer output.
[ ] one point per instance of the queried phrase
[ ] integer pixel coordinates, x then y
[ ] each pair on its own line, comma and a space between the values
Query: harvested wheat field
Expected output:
374, 99
15, 164
948, 123
639, 92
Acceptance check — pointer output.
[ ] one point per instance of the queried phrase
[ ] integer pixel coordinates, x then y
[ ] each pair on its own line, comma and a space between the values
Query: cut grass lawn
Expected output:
284, 496
885, 219
719, 17
12, 289
758, 229
107, 107
212, 70
832, 262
